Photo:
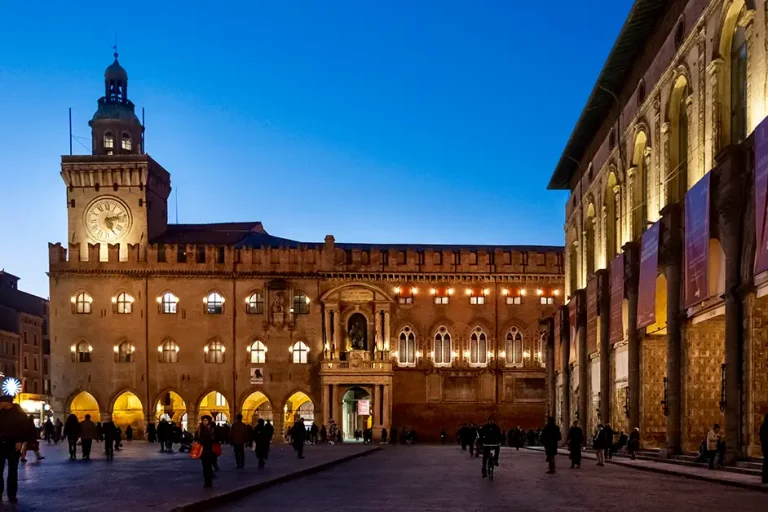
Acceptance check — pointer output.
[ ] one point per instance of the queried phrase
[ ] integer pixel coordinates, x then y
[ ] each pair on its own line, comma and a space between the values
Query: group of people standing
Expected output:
468, 436
86, 432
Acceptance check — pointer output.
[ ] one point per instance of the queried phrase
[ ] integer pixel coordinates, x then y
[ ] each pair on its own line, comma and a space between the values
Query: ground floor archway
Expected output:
299, 405
84, 403
215, 405
128, 410
356, 410
171, 407
256, 406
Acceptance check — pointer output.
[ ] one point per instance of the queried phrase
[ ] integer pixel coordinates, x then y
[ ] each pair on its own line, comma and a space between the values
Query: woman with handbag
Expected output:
206, 436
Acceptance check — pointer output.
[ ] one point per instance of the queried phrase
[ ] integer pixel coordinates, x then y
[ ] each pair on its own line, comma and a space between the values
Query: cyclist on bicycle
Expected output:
490, 433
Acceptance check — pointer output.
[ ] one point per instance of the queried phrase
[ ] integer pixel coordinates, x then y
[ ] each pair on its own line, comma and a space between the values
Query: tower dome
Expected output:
115, 72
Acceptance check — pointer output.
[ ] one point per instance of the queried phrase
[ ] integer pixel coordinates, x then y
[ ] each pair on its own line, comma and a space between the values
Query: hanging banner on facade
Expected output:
363, 407
649, 268
617, 299
761, 192
592, 315
257, 376
572, 321
697, 242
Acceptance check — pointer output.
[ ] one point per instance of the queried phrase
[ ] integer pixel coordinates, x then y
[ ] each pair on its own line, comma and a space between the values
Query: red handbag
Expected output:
217, 449
196, 450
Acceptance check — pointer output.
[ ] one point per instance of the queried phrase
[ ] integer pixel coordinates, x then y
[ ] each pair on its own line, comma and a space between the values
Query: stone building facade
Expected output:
674, 123
153, 320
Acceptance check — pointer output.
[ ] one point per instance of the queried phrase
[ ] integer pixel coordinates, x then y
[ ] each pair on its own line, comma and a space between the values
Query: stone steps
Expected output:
748, 467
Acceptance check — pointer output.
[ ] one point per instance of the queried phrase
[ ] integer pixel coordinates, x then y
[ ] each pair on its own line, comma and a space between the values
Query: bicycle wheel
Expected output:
490, 468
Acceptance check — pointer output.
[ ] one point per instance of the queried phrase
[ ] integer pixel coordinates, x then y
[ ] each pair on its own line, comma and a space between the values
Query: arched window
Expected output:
214, 303
639, 186
538, 351
573, 265
478, 348
109, 140
739, 83
300, 304
255, 304
124, 352
214, 352
126, 142
82, 302
443, 354
590, 239
83, 352
168, 303
300, 351
514, 347
406, 348
123, 303
169, 352
258, 352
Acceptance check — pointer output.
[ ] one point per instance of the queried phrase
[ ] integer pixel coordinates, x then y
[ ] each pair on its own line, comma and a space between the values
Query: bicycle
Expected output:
489, 454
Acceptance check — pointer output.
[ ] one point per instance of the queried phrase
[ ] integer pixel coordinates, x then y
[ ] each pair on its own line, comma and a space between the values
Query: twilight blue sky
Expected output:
431, 121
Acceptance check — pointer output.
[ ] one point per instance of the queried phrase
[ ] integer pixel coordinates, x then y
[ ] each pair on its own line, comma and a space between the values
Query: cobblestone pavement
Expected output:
141, 478
438, 478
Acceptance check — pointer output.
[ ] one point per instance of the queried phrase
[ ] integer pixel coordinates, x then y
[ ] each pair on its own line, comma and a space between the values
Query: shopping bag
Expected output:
217, 449
196, 450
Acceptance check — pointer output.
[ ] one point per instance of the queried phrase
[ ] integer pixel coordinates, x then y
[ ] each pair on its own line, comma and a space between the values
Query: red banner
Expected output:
572, 319
697, 242
617, 299
649, 269
761, 190
592, 315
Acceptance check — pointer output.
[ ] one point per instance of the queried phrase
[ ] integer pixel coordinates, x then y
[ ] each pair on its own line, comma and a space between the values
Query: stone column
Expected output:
192, 420
547, 325
729, 179
327, 329
670, 252
386, 331
376, 405
326, 404
378, 335
583, 357
631, 279
335, 407
715, 71
565, 353
604, 344
388, 408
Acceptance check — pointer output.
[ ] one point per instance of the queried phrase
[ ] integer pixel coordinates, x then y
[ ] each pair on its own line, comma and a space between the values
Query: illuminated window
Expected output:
443, 355
538, 350
126, 141
547, 300
220, 400
168, 303
476, 297
300, 304
169, 352
514, 347
442, 295
83, 352
125, 353
109, 140
478, 348
255, 304
300, 351
405, 295
258, 352
214, 352
406, 348
124, 304
83, 303
214, 303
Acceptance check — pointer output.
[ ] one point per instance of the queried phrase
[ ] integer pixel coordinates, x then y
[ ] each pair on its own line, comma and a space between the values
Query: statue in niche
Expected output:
277, 305
357, 330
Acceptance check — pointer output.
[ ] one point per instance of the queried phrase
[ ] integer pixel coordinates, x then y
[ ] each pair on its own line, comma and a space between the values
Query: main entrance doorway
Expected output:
357, 412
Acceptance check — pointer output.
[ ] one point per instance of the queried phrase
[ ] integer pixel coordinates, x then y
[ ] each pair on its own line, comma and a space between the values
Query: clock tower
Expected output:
117, 195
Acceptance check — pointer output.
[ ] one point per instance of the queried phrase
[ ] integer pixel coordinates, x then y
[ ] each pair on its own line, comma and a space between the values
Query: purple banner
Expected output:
761, 190
617, 299
649, 268
697, 242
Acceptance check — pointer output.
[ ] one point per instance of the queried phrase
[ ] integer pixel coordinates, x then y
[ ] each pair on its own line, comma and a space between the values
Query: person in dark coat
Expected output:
33, 445
72, 433
550, 438
323, 435
109, 430
298, 436
575, 443
633, 444
608, 435
314, 430
238, 435
261, 440
59, 430
50, 431
764, 445
151, 432
249, 436
270, 430
206, 436
118, 438
383, 436
14, 431
98, 437
87, 434
129, 433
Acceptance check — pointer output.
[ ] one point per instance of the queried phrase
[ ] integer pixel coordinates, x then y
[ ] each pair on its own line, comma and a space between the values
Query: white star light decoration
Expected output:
11, 386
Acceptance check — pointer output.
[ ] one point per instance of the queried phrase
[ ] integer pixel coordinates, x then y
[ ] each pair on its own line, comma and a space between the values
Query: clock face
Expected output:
107, 219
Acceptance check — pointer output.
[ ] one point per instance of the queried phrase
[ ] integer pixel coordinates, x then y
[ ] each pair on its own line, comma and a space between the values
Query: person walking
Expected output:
206, 436
633, 444
608, 435
598, 444
270, 430
49, 431
764, 445
109, 430
323, 434
72, 433
87, 435
550, 438
713, 440
151, 432
238, 435
33, 445
383, 436
162, 433
59, 430
575, 442
314, 430
129, 433
298, 436
98, 437
14, 431
261, 442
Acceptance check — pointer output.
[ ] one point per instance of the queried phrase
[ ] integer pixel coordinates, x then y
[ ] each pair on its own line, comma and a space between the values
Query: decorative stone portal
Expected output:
357, 412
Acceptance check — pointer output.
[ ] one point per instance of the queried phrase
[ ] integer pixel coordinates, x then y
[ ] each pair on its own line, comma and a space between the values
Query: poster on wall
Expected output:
697, 242
363, 407
649, 268
617, 299
257, 376
761, 191
592, 315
